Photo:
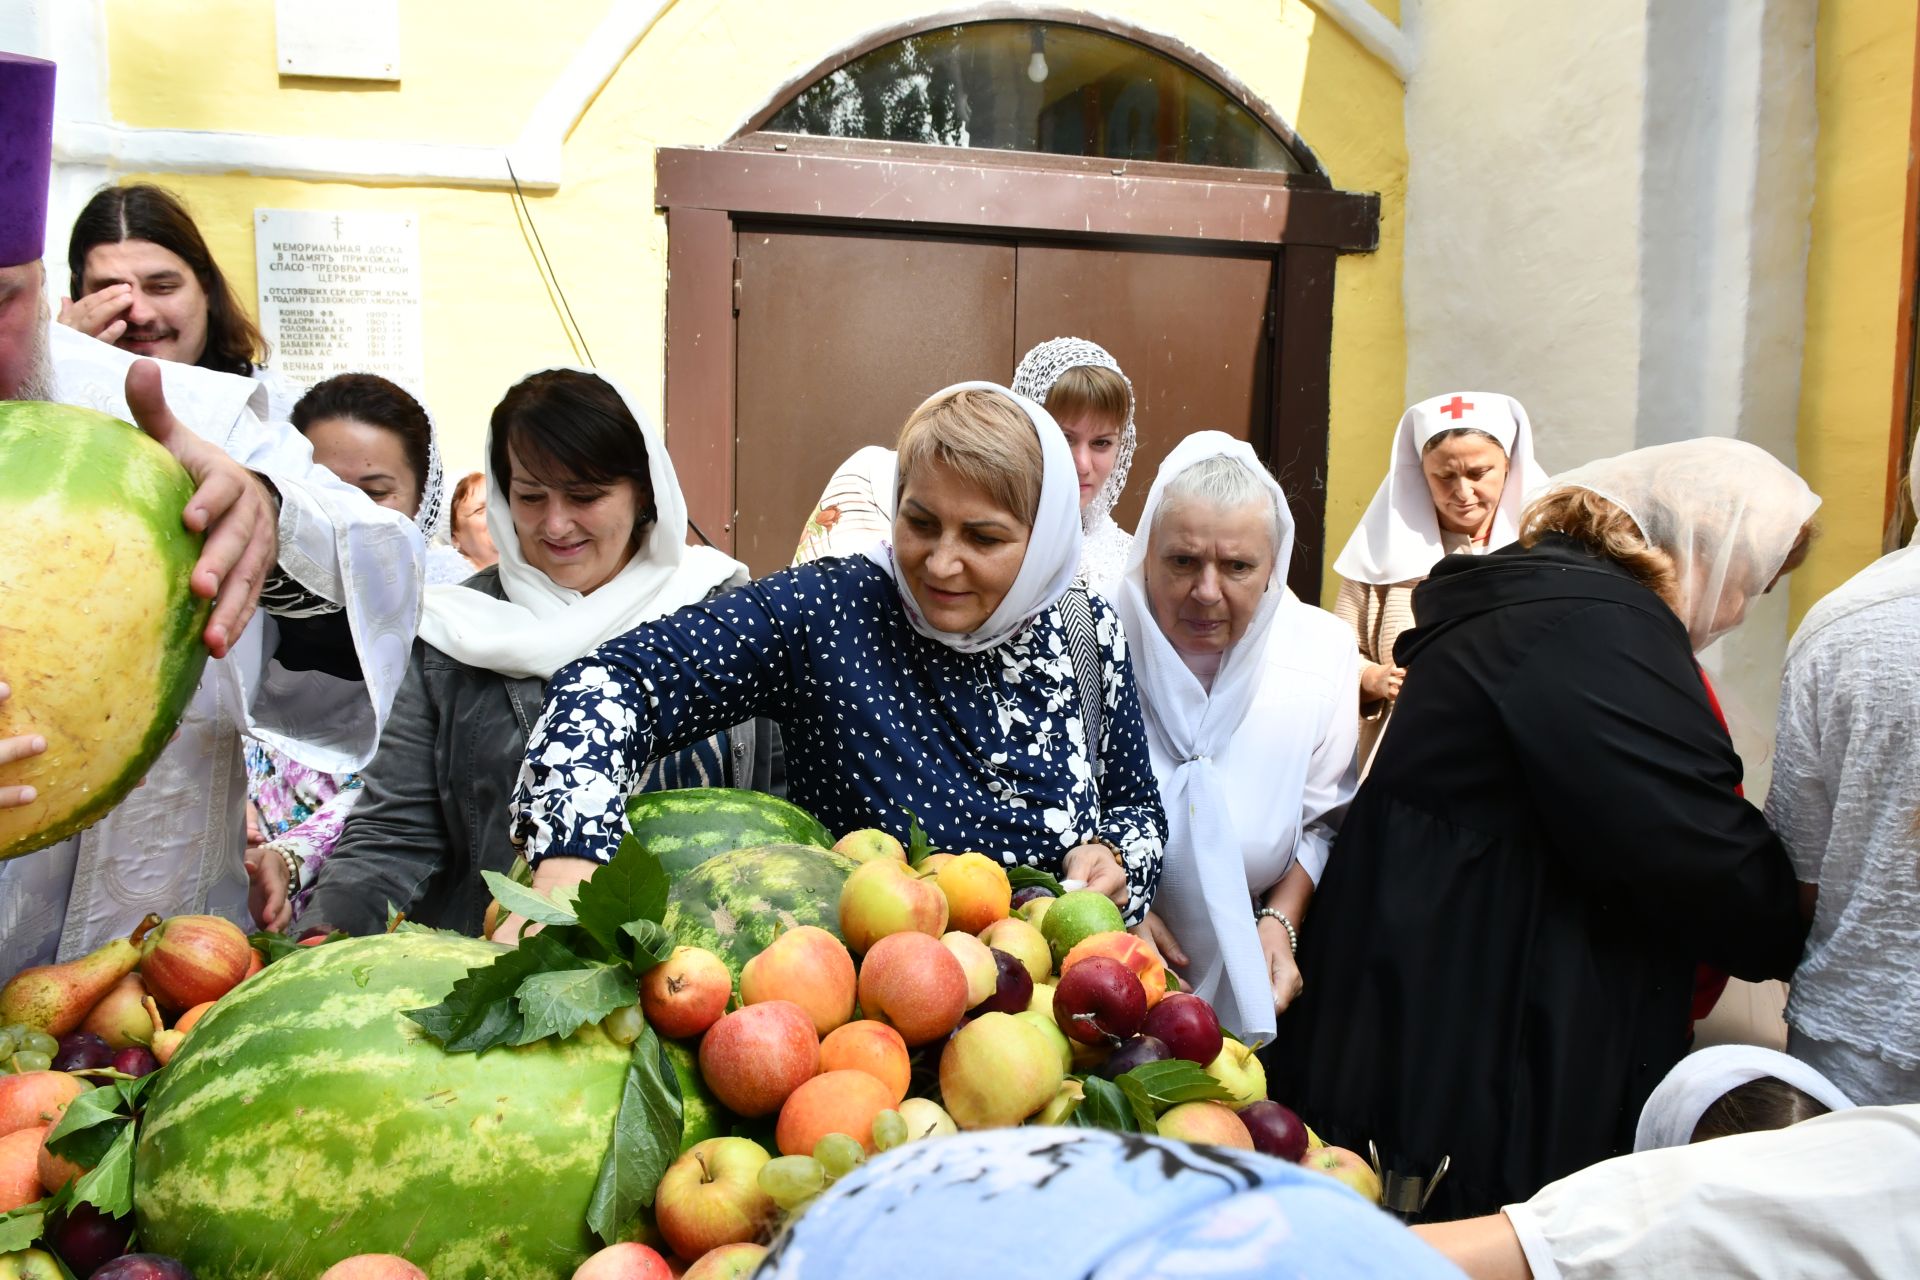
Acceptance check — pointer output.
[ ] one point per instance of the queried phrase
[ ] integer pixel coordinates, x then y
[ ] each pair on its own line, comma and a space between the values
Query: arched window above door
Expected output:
1049, 87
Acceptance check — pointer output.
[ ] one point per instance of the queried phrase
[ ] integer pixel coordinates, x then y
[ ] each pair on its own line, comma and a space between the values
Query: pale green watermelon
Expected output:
101, 634
685, 827
737, 903
306, 1120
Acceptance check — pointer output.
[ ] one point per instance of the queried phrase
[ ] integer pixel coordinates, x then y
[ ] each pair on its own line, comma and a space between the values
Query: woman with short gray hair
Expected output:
1246, 692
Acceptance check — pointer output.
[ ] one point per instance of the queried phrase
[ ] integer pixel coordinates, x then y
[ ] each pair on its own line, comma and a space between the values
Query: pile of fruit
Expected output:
82, 1038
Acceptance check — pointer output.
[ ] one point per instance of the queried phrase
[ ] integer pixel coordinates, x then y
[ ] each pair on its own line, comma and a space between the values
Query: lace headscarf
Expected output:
1104, 544
1728, 512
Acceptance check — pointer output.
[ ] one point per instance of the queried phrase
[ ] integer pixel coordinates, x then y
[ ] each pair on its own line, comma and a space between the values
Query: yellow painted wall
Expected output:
701, 70
1865, 61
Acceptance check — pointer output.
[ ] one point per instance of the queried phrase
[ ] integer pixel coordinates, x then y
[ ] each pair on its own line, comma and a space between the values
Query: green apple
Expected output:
926, 1119
711, 1196
1055, 1036
869, 843
1239, 1072
29, 1264
998, 1070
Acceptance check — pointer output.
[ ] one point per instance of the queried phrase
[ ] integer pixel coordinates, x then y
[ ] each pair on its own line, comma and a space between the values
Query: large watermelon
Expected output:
305, 1120
737, 903
102, 636
685, 827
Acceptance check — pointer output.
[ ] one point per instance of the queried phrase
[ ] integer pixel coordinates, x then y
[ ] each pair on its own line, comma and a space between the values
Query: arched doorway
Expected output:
924, 207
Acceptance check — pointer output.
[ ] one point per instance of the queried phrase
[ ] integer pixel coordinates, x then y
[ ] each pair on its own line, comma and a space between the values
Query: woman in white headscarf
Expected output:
1551, 839
591, 526
1245, 693
1462, 466
956, 675
1846, 799
1089, 398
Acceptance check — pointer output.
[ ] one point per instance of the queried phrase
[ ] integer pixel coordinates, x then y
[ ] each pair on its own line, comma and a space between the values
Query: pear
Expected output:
119, 1018
165, 1041
56, 998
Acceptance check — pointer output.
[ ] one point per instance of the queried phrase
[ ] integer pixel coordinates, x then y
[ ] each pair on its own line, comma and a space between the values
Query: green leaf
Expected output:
20, 1228
131, 1087
91, 1125
534, 906
275, 946
481, 1011
918, 844
559, 1003
1166, 1084
631, 887
1138, 1103
646, 1138
1027, 877
1105, 1107
108, 1186
652, 944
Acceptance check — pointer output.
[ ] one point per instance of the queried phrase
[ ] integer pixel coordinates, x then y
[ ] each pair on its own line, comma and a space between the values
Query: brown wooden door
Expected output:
841, 333
839, 338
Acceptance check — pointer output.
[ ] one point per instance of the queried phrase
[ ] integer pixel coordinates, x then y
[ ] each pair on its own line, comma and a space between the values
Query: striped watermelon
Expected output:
305, 1121
737, 903
103, 645
702, 1116
685, 827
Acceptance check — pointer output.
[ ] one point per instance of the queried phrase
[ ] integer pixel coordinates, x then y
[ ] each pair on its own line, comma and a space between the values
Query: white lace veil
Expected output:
1040, 369
1727, 511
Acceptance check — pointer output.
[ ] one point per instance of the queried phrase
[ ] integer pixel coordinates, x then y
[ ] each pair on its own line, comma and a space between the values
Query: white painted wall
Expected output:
1607, 217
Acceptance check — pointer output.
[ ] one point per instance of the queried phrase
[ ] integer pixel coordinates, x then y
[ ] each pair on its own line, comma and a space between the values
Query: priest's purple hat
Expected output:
26, 156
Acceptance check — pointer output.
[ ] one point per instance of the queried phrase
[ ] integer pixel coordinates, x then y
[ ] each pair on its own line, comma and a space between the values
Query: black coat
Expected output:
1500, 956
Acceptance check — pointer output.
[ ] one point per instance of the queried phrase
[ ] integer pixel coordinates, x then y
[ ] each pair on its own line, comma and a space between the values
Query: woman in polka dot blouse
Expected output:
934, 677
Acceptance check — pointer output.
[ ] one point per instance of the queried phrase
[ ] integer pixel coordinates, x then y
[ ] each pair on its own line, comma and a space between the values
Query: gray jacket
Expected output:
435, 811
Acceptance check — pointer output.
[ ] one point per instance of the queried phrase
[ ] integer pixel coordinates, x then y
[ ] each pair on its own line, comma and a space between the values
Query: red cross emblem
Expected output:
1456, 408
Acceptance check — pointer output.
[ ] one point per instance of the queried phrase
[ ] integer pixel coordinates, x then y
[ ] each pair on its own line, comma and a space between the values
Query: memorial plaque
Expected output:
340, 293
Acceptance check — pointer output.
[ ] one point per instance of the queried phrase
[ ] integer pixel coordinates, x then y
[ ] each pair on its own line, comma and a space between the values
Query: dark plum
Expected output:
1276, 1130
1021, 897
1188, 1025
143, 1266
82, 1051
1099, 1001
1014, 991
87, 1239
1137, 1052
136, 1060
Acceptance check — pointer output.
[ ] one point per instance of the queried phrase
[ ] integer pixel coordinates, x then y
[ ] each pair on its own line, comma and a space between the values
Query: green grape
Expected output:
889, 1130
9, 1042
623, 1026
40, 1042
792, 1180
839, 1153
26, 1060
17, 1030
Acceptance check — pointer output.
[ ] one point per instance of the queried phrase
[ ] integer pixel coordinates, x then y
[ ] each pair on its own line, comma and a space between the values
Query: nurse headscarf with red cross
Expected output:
1399, 539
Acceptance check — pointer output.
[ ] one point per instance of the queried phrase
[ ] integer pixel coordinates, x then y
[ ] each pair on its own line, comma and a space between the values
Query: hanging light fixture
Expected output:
1037, 64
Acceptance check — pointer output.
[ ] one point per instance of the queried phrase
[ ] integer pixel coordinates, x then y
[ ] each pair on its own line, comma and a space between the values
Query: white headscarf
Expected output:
1701, 1079
1398, 539
1727, 511
1053, 547
1204, 878
541, 626
1034, 379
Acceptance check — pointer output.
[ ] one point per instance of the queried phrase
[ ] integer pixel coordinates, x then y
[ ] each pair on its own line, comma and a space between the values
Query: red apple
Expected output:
976, 962
190, 960
711, 1196
834, 1102
754, 1057
728, 1262
808, 966
913, 984
1187, 1025
686, 993
373, 1266
1099, 1001
625, 1261
1340, 1163
1276, 1130
1212, 1123
884, 897
34, 1098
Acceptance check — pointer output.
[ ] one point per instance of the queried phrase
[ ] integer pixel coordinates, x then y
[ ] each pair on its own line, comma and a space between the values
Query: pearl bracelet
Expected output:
293, 868
1293, 934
